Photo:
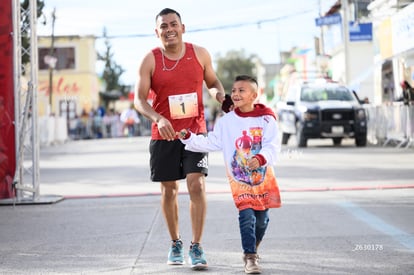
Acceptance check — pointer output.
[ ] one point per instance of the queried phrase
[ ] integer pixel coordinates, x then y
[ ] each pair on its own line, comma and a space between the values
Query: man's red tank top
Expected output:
178, 91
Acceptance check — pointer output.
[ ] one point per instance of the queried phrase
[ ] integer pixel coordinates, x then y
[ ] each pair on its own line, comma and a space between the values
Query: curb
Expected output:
310, 189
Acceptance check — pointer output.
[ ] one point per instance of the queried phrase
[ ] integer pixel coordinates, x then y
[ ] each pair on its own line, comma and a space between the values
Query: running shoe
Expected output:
196, 257
176, 254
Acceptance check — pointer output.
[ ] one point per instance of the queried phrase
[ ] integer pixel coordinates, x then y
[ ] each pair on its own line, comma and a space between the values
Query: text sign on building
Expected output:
360, 31
328, 20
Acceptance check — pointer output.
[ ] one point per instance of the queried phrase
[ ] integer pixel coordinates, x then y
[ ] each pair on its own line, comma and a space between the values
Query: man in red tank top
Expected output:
174, 73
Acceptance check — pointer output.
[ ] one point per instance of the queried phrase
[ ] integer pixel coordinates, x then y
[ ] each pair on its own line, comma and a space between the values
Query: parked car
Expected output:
321, 109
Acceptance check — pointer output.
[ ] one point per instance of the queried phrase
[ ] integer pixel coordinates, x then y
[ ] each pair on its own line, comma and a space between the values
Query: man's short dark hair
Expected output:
167, 11
248, 78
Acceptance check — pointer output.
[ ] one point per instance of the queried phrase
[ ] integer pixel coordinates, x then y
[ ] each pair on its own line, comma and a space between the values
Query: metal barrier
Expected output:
391, 124
57, 130
388, 125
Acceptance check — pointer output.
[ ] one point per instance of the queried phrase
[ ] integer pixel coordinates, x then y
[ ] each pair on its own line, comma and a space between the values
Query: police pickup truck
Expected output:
316, 110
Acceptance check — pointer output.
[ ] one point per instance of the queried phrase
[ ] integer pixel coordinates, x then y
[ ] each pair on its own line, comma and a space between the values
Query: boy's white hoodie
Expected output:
240, 136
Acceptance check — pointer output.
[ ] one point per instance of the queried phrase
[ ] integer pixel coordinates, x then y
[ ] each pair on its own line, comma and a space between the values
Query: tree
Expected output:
232, 64
112, 71
25, 22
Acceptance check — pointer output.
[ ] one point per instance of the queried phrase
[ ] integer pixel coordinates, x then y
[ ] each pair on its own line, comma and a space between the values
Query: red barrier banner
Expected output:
7, 134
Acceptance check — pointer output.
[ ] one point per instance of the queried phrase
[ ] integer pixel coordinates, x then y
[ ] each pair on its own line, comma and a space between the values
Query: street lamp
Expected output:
51, 61
345, 35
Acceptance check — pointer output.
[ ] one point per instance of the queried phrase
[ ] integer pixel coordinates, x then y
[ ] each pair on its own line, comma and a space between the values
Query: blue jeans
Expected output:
253, 224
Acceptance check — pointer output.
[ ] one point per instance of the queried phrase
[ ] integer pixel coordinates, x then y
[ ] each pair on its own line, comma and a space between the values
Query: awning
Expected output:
110, 95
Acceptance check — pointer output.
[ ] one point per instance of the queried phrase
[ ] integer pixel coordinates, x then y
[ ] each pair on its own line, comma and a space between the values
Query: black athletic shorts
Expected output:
169, 161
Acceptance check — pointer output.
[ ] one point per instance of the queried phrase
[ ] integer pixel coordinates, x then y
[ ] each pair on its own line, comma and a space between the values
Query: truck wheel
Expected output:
361, 141
300, 138
285, 138
337, 141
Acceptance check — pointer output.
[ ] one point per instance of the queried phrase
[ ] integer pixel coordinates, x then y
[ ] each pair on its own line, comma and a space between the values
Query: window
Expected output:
320, 94
65, 58
67, 108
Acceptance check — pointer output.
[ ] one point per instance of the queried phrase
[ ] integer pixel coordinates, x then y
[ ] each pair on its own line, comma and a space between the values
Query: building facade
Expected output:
394, 47
68, 82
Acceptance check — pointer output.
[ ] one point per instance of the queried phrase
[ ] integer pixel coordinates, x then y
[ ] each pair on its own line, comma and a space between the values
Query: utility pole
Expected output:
345, 35
52, 61
322, 42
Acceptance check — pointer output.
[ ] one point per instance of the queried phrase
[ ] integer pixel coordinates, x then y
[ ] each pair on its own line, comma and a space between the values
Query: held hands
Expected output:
183, 134
168, 133
165, 129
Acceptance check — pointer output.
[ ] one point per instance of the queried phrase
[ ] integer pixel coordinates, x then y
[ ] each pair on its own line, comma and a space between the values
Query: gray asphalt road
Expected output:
110, 220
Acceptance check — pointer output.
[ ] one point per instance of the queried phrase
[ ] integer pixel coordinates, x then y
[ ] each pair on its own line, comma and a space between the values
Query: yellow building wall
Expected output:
384, 36
80, 85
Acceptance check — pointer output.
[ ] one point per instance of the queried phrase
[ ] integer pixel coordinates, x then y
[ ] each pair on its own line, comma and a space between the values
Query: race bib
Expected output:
183, 106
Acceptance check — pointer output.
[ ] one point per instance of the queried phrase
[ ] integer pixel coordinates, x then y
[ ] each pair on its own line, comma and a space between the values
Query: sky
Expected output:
260, 27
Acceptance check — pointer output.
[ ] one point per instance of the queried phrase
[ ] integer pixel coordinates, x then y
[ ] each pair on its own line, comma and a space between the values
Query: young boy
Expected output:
248, 138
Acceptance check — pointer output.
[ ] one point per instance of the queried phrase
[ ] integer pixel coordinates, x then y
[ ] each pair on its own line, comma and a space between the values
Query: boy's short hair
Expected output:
167, 11
248, 78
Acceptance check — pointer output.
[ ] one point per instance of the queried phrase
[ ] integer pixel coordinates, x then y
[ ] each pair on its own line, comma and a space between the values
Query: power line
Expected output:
215, 28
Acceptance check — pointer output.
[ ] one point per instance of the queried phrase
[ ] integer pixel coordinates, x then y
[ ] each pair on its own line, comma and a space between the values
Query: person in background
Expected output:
408, 93
84, 125
175, 73
248, 138
107, 123
97, 124
130, 120
73, 127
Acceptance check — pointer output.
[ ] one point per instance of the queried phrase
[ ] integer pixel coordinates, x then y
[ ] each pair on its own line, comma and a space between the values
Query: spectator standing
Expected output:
130, 120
